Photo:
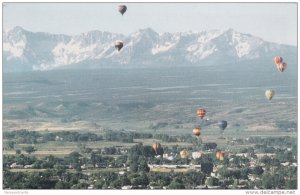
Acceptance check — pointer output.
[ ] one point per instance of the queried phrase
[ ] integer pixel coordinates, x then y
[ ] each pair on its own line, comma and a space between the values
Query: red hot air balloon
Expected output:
201, 113
277, 60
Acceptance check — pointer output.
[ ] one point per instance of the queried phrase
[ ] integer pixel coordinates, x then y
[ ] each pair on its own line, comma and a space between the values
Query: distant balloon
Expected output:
156, 146
201, 112
118, 45
220, 155
184, 153
122, 9
196, 155
269, 94
197, 131
281, 66
277, 60
222, 124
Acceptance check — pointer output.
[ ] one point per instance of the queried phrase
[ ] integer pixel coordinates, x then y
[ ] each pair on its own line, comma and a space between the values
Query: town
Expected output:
248, 163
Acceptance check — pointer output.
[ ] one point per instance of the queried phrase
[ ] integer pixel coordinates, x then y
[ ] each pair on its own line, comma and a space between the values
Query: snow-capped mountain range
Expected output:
25, 50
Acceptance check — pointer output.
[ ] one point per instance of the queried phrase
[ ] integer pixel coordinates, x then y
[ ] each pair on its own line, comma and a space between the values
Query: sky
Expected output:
275, 22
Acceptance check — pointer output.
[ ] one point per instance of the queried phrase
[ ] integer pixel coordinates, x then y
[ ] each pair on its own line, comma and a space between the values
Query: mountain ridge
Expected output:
25, 50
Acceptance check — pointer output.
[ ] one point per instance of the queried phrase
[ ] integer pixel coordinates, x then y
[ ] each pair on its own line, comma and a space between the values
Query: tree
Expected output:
212, 181
29, 149
10, 144
62, 185
125, 180
207, 168
18, 151
134, 166
176, 184
258, 170
143, 167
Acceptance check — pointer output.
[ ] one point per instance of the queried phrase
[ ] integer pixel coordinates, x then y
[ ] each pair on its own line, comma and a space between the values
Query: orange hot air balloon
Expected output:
122, 9
156, 146
201, 113
197, 131
220, 155
277, 60
281, 66
118, 45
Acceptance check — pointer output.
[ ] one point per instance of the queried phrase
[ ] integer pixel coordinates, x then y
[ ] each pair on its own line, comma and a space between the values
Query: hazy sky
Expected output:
276, 22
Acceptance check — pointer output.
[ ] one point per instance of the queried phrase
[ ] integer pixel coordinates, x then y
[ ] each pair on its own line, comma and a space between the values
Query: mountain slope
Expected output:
24, 50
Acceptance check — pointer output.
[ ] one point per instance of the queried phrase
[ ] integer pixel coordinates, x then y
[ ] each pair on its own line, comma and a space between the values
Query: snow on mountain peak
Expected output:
44, 51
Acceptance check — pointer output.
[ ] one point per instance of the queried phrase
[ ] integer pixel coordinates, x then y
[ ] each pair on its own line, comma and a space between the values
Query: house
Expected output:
126, 187
15, 166
155, 187
285, 164
28, 166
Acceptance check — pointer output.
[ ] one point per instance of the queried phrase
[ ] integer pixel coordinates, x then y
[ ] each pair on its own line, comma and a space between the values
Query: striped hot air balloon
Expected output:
281, 66
201, 112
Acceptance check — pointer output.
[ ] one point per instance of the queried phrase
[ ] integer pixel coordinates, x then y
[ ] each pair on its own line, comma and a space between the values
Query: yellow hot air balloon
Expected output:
269, 94
184, 153
220, 155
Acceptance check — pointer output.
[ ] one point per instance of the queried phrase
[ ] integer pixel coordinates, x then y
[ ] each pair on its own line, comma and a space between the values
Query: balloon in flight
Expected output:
281, 66
277, 60
184, 153
220, 155
122, 9
118, 45
222, 124
156, 146
197, 131
201, 112
269, 94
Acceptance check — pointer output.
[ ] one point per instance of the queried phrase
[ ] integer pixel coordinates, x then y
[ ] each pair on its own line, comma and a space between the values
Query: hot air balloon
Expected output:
122, 9
184, 153
281, 66
277, 60
269, 94
222, 124
197, 131
156, 146
201, 113
118, 45
196, 155
220, 155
